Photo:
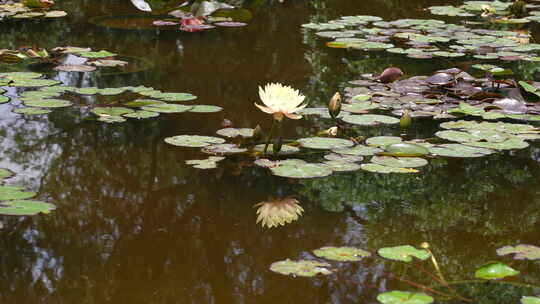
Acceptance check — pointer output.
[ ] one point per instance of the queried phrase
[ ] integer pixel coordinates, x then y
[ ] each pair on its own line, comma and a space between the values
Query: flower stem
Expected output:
269, 136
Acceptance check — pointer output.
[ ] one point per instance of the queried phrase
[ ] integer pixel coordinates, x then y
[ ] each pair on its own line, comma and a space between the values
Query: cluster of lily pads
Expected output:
135, 102
16, 200
516, 12
65, 59
29, 9
425, 38
490, 271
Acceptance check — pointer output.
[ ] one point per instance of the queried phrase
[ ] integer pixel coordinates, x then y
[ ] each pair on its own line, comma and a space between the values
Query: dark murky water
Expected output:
136, 225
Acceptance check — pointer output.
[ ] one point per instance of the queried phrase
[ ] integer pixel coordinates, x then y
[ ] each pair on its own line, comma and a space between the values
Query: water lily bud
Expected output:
406, 120
334, 106
424, 245
257, 133
390, 75
278, 143
332, 131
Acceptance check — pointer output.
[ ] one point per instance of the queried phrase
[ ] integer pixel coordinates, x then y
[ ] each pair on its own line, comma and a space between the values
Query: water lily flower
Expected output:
278, 212
280, 100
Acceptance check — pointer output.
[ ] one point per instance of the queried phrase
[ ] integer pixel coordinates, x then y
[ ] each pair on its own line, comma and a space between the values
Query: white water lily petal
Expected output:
281, 100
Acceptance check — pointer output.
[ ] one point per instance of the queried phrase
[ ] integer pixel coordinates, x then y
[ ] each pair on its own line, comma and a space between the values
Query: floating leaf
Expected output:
32, 111
111, 111
87, 91
166, 108
108, 63
325, 143
285, 149
399, 162
344, 158
112, 91
510, 144
209, 163
173, 96
100, 54
370, 119
24, 82
5, 173
494, 271
193, 141
306, 170
522, 252
358, 150
74, 68
405, 149
234, 132
382, 141
205, 109
3, 99
14, 193
142, 102
342, 254
530, 300
376, 168
25, 207
223, 149
141, 114
278, 212
48, 103
458, 150
302, 268
342, 166
111, 119
404, 297
403, 253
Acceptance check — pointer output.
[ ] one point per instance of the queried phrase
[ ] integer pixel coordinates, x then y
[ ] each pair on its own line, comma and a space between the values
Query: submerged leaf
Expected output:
342, 254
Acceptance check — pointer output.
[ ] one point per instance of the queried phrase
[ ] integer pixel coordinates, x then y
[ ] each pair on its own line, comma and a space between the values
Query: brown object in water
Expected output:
389, 75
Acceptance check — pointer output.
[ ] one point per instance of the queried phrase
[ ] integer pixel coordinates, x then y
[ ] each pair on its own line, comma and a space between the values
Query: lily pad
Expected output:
14, 193
404, 297
74, 68
111, 111
344, 158
399, 162
112, 91
3, 99
358, 150
359, 107
173, 96
370, 119
382, 141
458, 150
522, 252
108, 63
325, 143
376, 168
5, 173
141, 114
342, 166
510, 144
205, 109
285, 149
193, 141
166, 108
209, 163
494, 271
142, 102
306, 170
100, 54
404, 253
302, 268
341, 254
530, 300
234, 132
25, 207
48, 103
32, 111
405, 150
223, 149
27, 83
87, 91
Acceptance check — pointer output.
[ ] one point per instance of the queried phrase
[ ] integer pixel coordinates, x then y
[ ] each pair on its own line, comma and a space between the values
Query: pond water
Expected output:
135, 224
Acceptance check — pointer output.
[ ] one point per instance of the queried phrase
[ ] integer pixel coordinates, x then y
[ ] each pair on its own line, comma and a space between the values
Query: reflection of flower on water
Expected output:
280, 101
278, 212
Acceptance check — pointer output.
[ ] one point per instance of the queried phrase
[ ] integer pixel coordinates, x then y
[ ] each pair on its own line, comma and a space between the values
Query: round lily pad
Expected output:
472, 135
173, 96
405, 149
5, 173
4, 99
55, 14
32, 111
100, 54
25, 207
205, 109
234, 132
87, 91
521, 252
142, 102
510, 144
302, 268
74, 68
26, 82
14, 193
325, 143
48, 103
209, 163
359, 107
266, 163
404, 297
403, 253
111, 111
358, 150
306, 170
111, 119
382, 141
342, 166
111, 91
377, 168
21, 75
399, 162
141, 114
193, 141
494, 271
370, 119
166, 108
223, 149
342, 254
285, 149
344, 158
458, 150
530, 300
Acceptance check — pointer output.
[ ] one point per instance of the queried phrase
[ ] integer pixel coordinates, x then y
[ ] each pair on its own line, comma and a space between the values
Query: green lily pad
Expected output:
205, 109
359, 107
472, 136
173, 96
404, 297
29, 95
55, 14
403, 253
302, 268
5, 173
370, 119
48, 103
166, 108
325, 143
111, 91
25, 207
377, 168
305, 170
141, 114
223, 149
399, 162
494, 271
100, 54
341, 254
32, 111
87, 91
57, 89
209, 163
344, 158
14, 193
458, 150
503, 127
405, 150
530, 300
510, 144
266, 163
142, 102
522, 252
108, 63
358, 150
27, 82
234, 132
342, 166
285, 149
193, 141
21, 75
111, 111
382, 141
4, 99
